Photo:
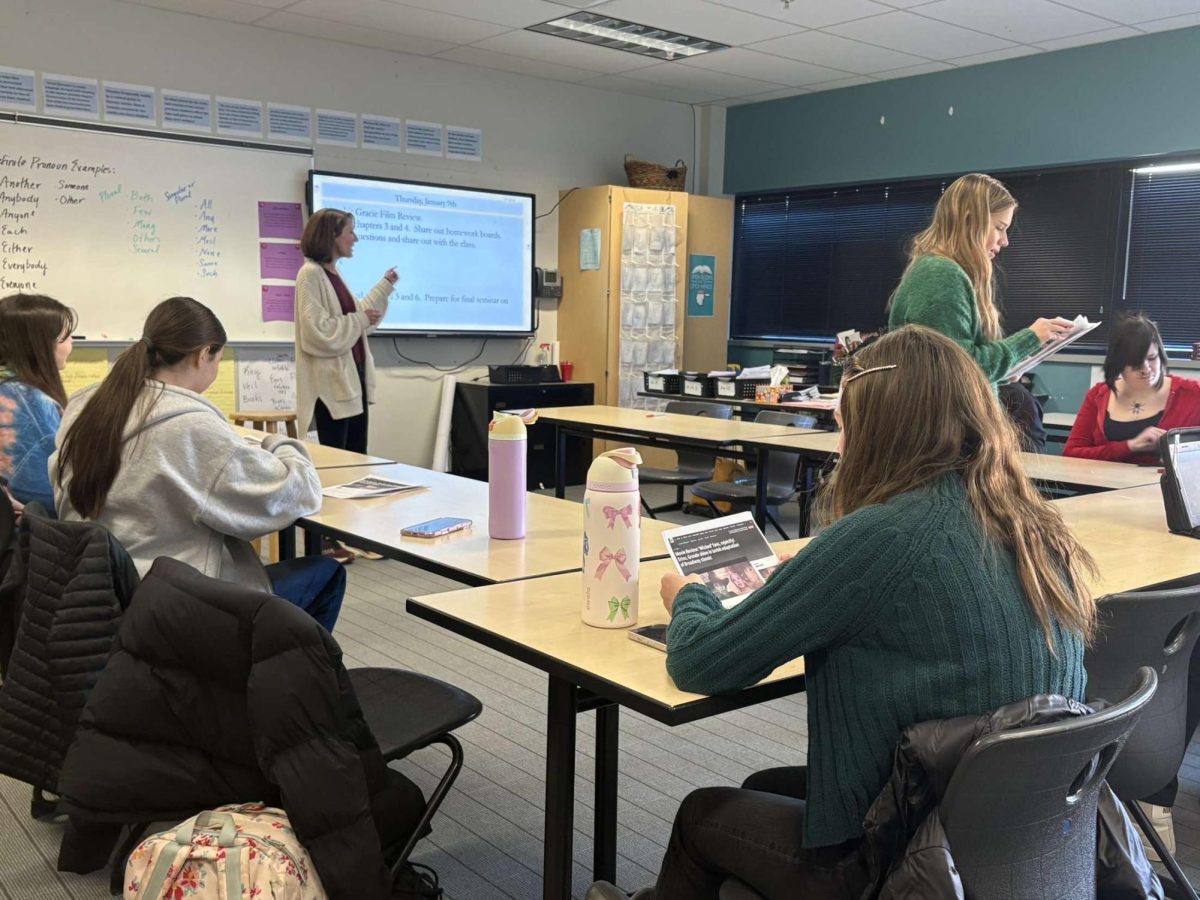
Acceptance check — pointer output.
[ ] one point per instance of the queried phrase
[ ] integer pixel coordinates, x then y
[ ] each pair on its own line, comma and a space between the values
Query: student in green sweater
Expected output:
948, 284
942, 585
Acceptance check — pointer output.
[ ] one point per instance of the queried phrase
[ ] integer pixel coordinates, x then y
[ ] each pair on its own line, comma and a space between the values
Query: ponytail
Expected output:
91, 447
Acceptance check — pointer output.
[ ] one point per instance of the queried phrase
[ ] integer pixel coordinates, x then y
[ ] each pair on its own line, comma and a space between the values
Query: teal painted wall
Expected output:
1122, 99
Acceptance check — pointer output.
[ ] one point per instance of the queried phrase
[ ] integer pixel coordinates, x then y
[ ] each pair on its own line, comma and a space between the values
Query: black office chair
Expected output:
693, 465
781, 476
406, 712
1019, 812
1157, 629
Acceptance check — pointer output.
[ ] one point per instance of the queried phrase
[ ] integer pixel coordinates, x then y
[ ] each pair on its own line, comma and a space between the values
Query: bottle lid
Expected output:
505, 427
615, 471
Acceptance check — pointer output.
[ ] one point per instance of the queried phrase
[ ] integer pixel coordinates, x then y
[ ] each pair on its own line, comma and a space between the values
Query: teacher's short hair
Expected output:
324, 227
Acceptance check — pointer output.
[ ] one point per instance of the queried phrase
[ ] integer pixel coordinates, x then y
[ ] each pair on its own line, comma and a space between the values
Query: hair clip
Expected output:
868, 372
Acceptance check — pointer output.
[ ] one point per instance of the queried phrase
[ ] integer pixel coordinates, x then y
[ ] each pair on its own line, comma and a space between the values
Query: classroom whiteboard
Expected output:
111, 224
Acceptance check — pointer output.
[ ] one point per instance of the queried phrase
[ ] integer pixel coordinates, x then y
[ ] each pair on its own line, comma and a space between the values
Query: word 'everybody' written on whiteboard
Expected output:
35, 191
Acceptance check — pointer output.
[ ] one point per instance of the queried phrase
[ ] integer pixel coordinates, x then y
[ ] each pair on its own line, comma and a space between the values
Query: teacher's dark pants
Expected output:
754, 833
349, 433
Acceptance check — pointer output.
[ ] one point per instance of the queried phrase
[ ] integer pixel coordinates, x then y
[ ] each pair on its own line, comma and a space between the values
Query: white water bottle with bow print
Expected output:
611, 540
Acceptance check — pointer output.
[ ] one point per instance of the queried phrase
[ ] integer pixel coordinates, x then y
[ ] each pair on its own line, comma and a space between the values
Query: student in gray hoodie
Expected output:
154, 462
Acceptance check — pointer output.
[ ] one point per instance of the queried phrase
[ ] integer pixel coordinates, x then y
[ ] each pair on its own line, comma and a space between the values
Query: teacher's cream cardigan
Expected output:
325, 338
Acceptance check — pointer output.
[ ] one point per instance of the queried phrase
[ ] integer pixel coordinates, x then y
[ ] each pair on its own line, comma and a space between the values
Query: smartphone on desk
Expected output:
435, 527
651, 635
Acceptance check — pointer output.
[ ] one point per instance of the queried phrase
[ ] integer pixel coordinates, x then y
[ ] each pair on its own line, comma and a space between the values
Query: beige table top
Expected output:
554, 528
1124, 530
327, 457
1059, 420
666, 425
542, 616
1044, 467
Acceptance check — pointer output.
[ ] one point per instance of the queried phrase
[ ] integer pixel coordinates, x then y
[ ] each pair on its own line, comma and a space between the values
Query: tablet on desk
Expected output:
435, 527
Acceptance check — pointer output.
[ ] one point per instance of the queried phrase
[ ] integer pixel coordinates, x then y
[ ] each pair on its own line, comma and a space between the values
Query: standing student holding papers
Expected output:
948, 284
943, 585
35, 341
1123, 417
146, 456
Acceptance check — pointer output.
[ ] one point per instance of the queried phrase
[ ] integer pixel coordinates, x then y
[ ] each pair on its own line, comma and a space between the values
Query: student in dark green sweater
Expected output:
943, 585
948, 284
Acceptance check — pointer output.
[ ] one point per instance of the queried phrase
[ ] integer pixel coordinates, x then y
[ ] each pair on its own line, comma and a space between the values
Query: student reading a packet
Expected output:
1123, 417
146, 456
948, 284
942, 585
35, 341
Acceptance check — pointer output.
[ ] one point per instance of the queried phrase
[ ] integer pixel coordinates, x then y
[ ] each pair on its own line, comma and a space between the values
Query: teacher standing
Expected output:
335, 374
948, 284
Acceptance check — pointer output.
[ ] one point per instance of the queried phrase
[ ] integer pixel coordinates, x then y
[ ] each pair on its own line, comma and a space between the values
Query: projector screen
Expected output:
465, 256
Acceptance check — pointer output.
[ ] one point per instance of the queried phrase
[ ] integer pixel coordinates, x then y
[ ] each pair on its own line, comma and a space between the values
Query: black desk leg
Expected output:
760, 488
287, 543
312, 543
560, 789
560, 462
604, 834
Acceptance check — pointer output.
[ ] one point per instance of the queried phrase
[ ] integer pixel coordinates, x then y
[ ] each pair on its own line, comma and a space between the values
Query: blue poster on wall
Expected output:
701, 281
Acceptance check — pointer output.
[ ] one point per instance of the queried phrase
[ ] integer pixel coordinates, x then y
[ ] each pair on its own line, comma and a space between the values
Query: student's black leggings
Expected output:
349, 433
754, 833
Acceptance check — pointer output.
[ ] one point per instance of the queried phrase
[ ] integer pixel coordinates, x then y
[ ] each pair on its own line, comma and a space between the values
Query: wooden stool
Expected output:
267, 421
260, 421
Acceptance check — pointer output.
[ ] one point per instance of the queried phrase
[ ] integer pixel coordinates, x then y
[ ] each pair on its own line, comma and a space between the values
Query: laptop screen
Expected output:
1185, 459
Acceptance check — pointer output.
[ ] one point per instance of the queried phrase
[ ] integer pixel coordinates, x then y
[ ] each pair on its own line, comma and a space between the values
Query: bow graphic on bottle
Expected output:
612, 514
614, 604
617, 559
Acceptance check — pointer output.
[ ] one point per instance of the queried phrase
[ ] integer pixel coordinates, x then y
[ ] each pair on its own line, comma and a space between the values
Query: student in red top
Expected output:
1122, 419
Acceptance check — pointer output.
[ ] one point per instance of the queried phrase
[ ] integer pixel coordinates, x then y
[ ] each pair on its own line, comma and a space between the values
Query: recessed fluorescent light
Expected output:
617, 34
1168, 169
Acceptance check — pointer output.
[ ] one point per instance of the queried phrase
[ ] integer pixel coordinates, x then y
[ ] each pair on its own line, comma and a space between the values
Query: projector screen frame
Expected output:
530, 278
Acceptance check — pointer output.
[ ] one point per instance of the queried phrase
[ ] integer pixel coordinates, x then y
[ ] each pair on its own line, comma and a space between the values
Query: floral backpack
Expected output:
235, 852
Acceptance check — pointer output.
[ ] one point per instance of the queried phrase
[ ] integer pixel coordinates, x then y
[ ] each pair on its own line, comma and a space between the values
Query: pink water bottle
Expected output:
506, 477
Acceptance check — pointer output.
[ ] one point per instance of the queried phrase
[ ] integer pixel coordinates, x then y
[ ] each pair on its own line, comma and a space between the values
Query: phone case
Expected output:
648, 641
411, 531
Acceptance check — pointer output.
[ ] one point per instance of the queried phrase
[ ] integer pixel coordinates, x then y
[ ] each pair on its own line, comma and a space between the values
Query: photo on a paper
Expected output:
730, 554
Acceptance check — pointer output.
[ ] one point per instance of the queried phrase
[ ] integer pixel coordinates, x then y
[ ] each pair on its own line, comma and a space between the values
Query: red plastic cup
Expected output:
565, 369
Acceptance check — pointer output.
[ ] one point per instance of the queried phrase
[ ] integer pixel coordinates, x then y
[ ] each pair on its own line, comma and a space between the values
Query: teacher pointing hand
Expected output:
335, 374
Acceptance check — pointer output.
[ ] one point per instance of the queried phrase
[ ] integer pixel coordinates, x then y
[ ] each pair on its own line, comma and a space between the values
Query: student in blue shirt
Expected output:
35, 341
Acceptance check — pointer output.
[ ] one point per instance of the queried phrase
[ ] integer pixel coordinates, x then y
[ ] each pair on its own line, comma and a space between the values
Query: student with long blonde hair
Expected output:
35, 341
949, 285
942, 585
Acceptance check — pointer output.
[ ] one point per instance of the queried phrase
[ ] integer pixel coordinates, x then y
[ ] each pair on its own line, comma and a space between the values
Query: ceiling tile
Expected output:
702, 20
623, 85
809, 13
215, 9
976, 59
1128, 13
839, 83
835, 52
564, 52
909, 71
769, 95
476, 56
906, 4
912, 33
749, 64
399, 19
1171, 23
514, 13
1022, 21
719, 83
352, 34
1092, 37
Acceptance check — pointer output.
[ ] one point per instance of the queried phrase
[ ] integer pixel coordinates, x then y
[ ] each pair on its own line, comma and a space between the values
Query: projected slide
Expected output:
465, 257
